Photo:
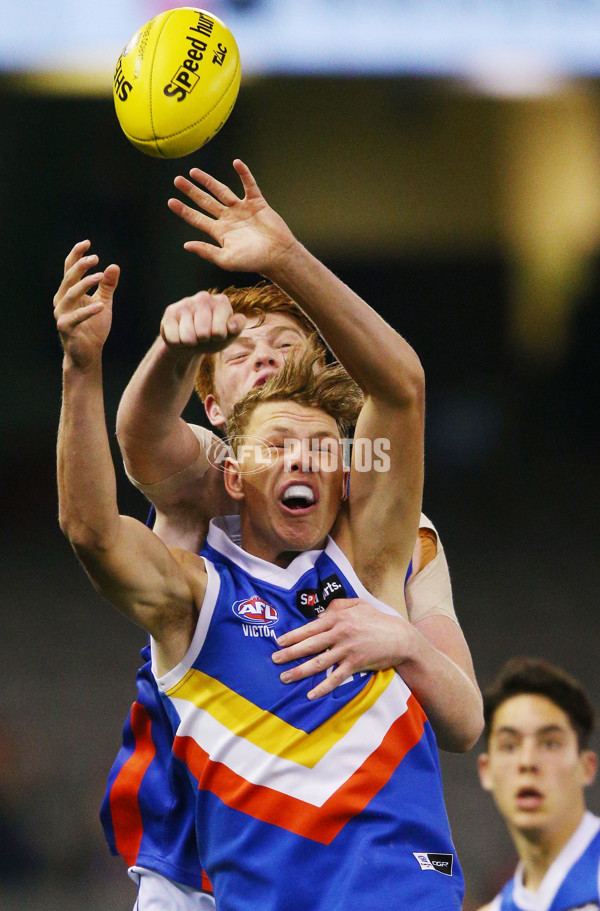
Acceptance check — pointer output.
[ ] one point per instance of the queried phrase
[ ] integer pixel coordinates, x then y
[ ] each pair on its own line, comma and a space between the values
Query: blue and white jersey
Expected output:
329, 804
571, 882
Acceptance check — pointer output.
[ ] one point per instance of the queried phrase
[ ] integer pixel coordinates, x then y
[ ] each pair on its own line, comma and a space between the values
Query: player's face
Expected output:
290, 488
534, 767
257, 353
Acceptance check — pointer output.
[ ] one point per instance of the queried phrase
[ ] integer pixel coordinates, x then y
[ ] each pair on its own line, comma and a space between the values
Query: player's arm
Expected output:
249, 236
155, 441
378, 529
126, 562
430, 603
446, 682
359, 637
164, 456
353, 635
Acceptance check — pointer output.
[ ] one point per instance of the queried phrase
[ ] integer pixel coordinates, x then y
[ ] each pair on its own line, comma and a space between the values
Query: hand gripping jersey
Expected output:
331, 805
571, 882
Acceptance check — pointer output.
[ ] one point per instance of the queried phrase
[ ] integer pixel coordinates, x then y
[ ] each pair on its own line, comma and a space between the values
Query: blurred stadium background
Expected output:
443, 158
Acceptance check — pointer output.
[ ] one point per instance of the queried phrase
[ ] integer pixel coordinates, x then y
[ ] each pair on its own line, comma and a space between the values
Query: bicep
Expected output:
187, 500
138, 574
386, 478
152, 458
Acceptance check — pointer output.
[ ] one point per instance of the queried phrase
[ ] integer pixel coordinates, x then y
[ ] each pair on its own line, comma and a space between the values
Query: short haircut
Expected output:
306, 381
538, 677
255, 302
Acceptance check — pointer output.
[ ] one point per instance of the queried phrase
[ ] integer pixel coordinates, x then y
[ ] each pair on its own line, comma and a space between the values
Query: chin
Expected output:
303, 540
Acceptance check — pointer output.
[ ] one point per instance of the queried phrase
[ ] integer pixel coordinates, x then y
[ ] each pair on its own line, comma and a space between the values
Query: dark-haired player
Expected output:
537, 764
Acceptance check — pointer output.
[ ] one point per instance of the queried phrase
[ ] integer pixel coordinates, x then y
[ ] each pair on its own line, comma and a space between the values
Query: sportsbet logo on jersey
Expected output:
257, 615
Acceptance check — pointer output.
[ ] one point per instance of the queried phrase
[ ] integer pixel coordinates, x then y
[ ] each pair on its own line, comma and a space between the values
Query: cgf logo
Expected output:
255, 611
441, 863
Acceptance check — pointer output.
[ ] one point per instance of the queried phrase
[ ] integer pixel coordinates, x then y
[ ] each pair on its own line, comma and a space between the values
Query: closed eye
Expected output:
236, 358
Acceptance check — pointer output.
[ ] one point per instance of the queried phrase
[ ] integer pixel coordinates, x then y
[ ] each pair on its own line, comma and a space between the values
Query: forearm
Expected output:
88, 511
352, 329
155, 440
448, 694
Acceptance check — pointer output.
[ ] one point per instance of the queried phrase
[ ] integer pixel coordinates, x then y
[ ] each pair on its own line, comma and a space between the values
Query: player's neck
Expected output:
539, 848
269, 546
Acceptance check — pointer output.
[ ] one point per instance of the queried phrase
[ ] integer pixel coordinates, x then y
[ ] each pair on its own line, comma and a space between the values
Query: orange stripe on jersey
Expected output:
320, 824
206, 883
127, 819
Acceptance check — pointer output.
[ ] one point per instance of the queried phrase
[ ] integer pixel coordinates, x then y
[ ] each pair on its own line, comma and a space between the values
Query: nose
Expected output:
266, 356
528, 756
298, 456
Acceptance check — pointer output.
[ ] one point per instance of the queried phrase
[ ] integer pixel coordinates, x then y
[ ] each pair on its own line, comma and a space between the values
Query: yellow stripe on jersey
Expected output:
269, 732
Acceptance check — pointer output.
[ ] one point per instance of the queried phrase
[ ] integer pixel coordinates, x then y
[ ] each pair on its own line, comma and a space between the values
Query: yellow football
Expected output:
176, 82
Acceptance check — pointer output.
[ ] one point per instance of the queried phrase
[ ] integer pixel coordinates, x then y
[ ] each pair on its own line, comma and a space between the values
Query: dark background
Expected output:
512, 428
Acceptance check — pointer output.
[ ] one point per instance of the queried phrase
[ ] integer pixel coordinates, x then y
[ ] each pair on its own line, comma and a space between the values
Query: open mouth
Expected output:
298, 498
529, 798
262, 379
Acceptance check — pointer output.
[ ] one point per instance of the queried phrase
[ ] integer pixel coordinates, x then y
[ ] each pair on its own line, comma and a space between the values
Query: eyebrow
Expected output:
274, 331
319, 434
546, 729
277, 330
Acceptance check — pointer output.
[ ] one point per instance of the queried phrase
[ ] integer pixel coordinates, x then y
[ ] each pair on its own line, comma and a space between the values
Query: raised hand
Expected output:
83, 319
249, 235
204, 322
350, 636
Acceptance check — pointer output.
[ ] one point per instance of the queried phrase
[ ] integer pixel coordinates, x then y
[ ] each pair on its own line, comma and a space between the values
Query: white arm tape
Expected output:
170, 485
429, 591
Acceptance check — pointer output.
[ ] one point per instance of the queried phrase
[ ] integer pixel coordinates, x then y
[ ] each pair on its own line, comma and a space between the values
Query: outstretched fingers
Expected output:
210, 252
74, 286
251, 189
193, 217
77, 264
198, 196
74, 255
218, 190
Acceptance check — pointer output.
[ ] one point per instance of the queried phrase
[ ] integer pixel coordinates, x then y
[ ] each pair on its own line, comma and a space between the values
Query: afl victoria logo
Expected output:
256, 611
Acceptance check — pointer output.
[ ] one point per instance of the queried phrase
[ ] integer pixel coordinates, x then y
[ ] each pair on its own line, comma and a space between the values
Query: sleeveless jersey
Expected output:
148, 812
332, 804
571, 882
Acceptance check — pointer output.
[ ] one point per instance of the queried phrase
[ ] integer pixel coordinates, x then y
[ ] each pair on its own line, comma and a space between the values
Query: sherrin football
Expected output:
176, 82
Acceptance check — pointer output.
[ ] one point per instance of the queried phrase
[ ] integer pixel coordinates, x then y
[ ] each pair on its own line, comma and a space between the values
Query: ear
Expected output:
483, 767
589, 765
232, 478
213, 411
